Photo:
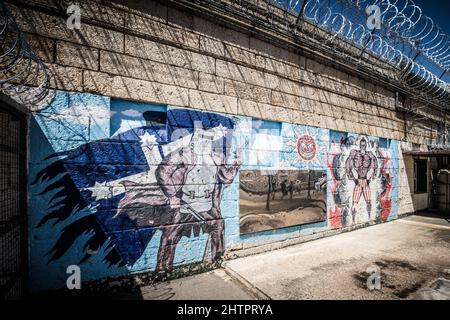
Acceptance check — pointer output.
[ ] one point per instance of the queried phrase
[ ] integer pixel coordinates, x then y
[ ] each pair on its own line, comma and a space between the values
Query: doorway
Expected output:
13, 201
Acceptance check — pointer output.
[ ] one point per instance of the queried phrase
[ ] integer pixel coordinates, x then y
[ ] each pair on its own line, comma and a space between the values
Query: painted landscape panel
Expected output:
273, 199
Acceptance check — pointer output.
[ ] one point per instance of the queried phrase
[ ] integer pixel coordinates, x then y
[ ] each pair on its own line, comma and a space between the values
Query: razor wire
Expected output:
409, 49
23, 76
407, 21
402, 18
405, 34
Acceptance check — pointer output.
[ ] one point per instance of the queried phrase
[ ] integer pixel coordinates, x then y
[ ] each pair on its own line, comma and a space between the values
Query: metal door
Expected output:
13, 225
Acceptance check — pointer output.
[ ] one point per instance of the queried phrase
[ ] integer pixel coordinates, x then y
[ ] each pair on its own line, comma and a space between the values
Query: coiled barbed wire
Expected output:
406, 33
336, 16
23, 76
407, 20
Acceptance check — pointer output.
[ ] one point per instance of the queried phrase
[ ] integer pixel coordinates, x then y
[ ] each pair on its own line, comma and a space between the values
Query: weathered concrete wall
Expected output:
420, 201
189, 61
170, 60
406, 174
414, 201
118, 186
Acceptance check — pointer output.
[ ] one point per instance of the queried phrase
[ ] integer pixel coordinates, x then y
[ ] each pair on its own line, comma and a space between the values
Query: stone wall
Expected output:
188, 61
144, 51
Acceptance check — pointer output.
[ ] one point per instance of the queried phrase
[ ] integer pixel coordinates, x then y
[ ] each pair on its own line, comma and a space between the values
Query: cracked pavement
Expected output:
412, 254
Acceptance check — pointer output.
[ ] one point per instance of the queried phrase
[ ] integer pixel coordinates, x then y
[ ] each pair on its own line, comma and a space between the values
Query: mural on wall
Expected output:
265, 143
119, 186
304, 147
364, 179
277, 199
165, 172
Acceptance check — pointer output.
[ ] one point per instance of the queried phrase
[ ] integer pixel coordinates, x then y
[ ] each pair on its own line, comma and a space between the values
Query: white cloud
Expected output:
132, 113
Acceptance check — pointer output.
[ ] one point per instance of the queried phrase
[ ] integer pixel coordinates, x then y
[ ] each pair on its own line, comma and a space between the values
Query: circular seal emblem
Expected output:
306, 147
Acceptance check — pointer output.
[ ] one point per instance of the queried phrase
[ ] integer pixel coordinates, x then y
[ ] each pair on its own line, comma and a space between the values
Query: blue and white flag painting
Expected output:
162, 169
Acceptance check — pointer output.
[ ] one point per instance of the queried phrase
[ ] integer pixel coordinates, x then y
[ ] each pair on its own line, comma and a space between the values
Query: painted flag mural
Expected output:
167, 175
118, 187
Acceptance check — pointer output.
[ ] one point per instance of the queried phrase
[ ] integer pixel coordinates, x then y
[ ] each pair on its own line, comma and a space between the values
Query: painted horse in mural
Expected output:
144, 180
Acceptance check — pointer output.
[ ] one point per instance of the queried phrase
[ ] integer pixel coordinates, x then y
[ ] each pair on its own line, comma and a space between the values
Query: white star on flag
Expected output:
148, 140
100, 191
219, 131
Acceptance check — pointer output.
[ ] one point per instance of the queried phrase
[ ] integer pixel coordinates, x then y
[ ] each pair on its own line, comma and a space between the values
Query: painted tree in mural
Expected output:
168, 175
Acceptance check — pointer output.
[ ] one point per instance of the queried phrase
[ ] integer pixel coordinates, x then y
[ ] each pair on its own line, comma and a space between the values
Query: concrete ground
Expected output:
216, 284
412, 253
437, 290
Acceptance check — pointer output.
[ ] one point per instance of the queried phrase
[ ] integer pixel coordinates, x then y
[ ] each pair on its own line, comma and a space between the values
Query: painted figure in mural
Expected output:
193, 179
360, 162
368, 171
186, 196
291, 189
284, 188
321, 183
162, 181
273, 188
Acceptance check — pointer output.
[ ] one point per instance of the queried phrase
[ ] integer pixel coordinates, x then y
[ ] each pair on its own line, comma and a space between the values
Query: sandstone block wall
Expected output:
150, 53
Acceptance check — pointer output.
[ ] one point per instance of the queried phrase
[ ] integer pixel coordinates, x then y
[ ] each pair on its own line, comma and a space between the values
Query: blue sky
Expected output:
438, 10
